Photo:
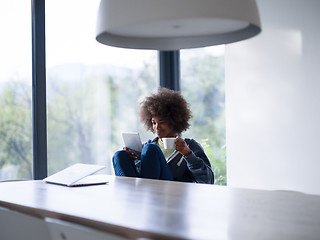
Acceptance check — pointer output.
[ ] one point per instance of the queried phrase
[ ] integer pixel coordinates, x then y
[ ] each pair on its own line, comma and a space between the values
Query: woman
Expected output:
167, 114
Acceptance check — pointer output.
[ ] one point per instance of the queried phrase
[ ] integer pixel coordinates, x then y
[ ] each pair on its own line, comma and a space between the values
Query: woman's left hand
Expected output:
182, 147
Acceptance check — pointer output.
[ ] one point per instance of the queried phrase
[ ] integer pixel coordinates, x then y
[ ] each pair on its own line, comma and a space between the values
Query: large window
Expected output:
15, 90
202, 83
93, 91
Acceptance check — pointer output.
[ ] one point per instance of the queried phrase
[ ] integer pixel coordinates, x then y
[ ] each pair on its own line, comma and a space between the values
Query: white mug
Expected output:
169, 143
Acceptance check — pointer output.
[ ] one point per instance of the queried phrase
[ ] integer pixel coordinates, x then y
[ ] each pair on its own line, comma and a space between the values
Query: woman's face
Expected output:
162, 127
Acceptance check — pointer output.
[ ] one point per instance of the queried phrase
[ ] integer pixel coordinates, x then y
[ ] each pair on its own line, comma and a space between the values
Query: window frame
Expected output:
39, 120
169, 63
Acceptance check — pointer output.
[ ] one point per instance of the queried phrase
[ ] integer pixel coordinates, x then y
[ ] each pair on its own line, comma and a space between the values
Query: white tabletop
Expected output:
135, 207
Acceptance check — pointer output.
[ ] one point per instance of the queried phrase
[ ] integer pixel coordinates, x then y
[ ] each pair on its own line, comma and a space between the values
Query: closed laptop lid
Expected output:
74, 173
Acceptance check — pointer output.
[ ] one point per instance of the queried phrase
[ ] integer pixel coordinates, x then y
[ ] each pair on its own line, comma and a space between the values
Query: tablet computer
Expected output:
132, 140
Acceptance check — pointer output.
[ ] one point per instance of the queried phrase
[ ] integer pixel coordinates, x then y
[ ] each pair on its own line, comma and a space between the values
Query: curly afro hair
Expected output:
169, 105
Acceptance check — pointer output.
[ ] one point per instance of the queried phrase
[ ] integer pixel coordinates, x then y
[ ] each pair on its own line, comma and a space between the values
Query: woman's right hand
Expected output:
132, 155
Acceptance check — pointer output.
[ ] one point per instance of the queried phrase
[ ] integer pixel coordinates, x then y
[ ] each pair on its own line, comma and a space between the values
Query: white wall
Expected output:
273, 100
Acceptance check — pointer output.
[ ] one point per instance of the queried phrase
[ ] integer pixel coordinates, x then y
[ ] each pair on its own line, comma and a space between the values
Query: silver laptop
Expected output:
78, 175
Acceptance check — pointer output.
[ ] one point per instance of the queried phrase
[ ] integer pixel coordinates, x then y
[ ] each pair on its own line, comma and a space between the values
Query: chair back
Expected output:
19, 226
63, 230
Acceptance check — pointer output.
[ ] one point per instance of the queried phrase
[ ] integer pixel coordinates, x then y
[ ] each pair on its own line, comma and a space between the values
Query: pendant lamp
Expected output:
175, 24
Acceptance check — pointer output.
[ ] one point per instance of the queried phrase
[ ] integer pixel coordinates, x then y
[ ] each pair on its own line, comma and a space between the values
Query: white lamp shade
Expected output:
175, 24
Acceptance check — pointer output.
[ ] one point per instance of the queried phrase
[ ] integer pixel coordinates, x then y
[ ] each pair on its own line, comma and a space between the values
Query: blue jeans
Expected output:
153, 164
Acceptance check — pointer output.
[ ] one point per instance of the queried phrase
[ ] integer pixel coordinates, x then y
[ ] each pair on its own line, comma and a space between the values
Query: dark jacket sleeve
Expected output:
198, 163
